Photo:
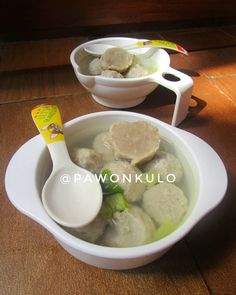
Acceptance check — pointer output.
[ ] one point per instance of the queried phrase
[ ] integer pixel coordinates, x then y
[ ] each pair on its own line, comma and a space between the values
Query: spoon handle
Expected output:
159, 43
47, 119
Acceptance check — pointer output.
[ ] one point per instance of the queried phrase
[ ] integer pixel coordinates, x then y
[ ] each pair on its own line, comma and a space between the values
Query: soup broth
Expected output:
139, 67
136, 223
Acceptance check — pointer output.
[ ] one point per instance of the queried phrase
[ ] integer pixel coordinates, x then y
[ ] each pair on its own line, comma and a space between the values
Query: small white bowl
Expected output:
30, 166
125, 93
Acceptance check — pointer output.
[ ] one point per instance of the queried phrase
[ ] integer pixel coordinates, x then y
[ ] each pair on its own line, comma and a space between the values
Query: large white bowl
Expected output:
125, 93
30, 166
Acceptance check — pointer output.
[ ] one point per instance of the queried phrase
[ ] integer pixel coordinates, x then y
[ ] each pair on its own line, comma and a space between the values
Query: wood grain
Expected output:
38, 83
37, 54
227, 86
215, 63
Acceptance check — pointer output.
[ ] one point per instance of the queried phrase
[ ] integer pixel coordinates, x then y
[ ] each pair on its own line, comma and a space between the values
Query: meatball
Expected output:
136, 141
92, 231
136, 71
163, 164
102, 146
116, 59
111, 74
95, 67
165, 203
130, 228
87, 159
132, 187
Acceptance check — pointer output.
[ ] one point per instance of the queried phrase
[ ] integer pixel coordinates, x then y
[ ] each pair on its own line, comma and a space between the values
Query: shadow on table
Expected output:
160, 104
214, 238
205, 247
177, 262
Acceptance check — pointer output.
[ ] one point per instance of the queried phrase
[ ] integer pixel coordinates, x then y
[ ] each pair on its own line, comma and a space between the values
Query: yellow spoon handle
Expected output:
47, 119
162, 44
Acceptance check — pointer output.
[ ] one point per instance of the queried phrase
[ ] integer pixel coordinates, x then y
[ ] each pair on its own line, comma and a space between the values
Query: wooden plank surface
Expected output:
44, 82
204, 262
37, 54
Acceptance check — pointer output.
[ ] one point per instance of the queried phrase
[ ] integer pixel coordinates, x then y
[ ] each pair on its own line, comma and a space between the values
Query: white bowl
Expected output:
125, 93
30, 166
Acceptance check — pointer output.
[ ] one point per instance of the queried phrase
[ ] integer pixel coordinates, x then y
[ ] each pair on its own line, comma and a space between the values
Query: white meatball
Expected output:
111, 74
165, 203
102, 146
136, 71
92, 231
116, 59
130, 228
133, 186
163, 164
95, 67
87, 159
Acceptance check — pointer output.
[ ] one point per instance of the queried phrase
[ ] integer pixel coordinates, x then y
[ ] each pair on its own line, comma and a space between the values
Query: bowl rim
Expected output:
104, 79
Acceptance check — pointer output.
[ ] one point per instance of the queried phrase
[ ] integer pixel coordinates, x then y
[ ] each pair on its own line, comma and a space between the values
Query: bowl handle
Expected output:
182, 88
212, 173
22, 190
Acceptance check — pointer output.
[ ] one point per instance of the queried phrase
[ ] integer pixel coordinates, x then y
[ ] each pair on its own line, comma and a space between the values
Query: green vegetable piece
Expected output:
164, 230
117, 202
108, 183
112, 204
152, 69
106, 211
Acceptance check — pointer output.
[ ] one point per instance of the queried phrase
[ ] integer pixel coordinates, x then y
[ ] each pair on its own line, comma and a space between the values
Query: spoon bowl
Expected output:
72, 210
72, 196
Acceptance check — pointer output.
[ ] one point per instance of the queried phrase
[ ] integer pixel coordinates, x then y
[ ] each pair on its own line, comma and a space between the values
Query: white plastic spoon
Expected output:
72, 196
97, 49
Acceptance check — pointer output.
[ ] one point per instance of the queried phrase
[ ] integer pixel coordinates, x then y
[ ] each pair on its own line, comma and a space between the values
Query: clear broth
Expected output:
85, 138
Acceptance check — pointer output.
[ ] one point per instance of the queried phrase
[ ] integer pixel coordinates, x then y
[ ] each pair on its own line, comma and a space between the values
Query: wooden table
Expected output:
204, 262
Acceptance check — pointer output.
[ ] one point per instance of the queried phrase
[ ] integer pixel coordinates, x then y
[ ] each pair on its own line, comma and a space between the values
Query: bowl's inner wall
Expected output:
44, 169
